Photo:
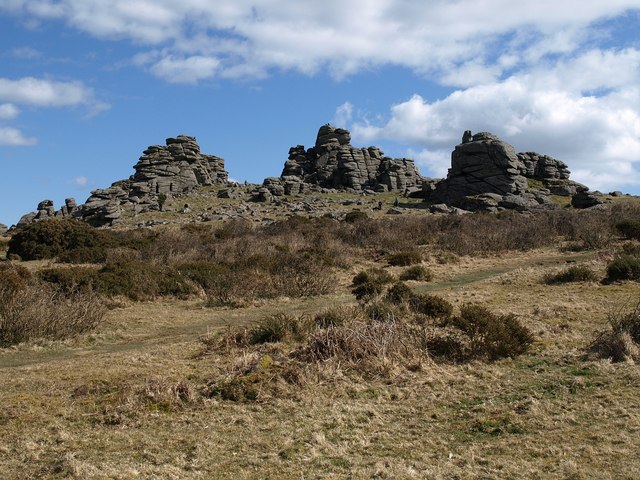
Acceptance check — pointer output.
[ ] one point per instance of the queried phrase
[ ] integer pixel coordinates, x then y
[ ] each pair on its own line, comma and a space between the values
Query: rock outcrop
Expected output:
333, 163
487, 174
46, 209
161, 171
3, 229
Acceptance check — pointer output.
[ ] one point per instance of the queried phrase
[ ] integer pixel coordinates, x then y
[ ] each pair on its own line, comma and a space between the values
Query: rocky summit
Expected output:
170, 170
333, 163
487, 174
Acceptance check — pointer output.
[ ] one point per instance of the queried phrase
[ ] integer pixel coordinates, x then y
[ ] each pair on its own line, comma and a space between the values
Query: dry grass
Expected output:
150, 393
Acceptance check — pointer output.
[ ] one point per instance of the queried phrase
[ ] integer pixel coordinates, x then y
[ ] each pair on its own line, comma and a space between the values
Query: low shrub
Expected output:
404, 259
418, 273
629, 229
624, 267
631, 248
492, 336
576, 273
621, 342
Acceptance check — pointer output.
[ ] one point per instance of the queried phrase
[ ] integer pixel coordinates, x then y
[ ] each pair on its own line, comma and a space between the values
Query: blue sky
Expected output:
87, 85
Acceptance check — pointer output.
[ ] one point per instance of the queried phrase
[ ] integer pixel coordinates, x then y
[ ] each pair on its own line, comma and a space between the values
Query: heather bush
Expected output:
356, 216
432, 306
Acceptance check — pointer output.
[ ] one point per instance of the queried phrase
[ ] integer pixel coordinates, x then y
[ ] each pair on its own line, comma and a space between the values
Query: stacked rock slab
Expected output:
487, 174
170, 170
333, 163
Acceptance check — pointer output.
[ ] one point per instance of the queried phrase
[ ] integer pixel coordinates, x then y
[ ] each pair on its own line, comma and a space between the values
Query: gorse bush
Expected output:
418, 273
624, 267
576, 273
404, 259
491, 336
52, 237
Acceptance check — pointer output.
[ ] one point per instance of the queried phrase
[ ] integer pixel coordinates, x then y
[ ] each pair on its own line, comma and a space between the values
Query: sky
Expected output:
87, 85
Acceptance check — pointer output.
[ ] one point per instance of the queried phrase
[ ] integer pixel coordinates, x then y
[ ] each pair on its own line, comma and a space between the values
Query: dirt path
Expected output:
177, 322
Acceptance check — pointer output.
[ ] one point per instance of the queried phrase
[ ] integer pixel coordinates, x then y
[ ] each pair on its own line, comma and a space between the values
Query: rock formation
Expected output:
333, 163
487, 174
46, 209
3, 229
170, 170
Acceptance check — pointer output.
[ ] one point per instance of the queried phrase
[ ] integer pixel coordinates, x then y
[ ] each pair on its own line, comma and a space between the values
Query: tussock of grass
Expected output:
621, 342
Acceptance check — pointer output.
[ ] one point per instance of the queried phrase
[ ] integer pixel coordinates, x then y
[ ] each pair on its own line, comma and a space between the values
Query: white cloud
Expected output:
547, 110
41, 93
185, 70
344, 114
44, 93
452, 40
8, 111
25, 53
14, 138
80, 181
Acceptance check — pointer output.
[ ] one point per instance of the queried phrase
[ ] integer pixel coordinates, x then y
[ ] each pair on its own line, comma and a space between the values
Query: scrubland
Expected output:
417, 346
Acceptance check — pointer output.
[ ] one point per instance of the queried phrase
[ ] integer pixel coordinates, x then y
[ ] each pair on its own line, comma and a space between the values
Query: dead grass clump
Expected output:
418, 273
621, 342
337, 316
279, 327
359, 343
30, 310
576, 273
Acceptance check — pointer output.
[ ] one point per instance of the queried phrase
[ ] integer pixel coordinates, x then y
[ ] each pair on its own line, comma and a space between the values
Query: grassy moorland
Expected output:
417, 346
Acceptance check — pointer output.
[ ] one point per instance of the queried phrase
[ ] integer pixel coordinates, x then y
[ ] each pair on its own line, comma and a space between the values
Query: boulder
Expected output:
585, 199
482, 164
3, 229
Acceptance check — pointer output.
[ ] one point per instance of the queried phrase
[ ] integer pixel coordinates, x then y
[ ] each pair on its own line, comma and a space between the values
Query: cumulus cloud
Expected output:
40, 93
574, 112
45, 93
8, 111
13, 137
452, 40
186, 70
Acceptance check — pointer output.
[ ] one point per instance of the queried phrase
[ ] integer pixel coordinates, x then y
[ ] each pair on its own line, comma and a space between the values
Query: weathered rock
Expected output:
26, 219
483, 164
334, 163
3, 229
585, 199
